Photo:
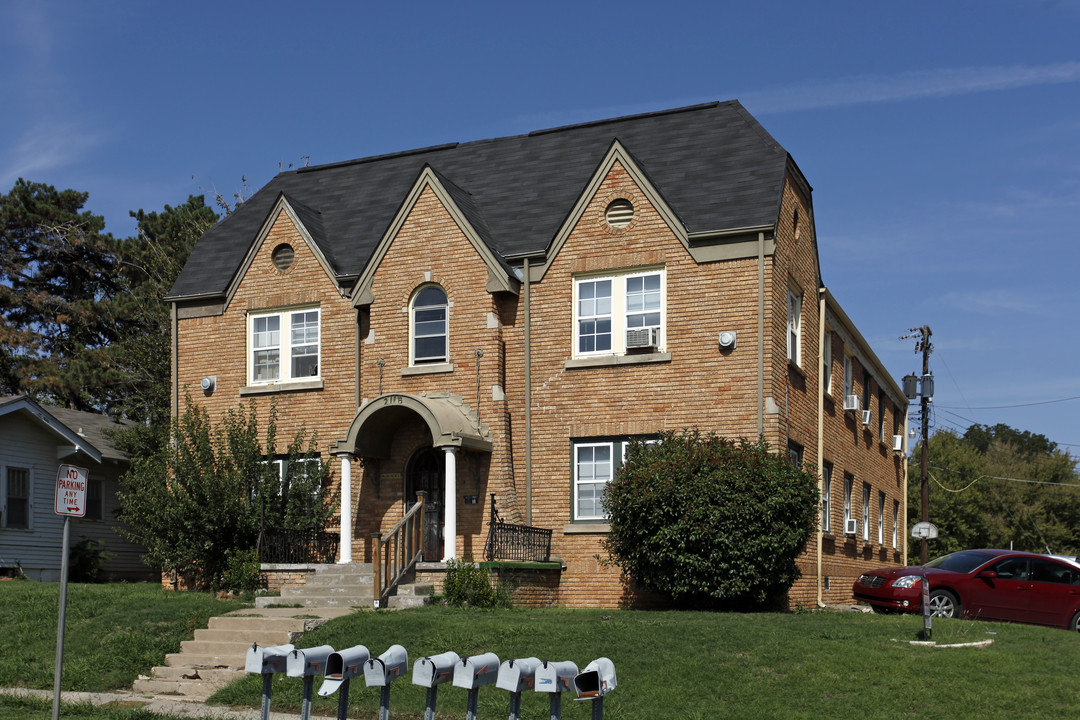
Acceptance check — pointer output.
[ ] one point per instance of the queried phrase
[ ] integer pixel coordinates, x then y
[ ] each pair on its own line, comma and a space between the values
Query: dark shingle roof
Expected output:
714, 164
95, 429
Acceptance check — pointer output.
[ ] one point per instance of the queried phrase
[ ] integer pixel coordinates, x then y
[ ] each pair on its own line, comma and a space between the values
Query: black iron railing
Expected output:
521, 543
298, 546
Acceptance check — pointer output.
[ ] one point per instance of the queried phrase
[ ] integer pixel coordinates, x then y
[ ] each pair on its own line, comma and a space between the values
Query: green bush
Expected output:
710, 522
86, 561
466, 584
242, 570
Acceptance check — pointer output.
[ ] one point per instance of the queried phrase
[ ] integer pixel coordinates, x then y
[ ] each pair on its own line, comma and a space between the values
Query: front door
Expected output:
425, 473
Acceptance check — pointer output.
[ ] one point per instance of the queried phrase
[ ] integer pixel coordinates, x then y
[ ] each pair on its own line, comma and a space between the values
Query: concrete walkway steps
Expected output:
216, 656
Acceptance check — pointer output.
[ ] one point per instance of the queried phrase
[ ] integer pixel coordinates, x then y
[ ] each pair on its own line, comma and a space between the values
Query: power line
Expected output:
1006, 407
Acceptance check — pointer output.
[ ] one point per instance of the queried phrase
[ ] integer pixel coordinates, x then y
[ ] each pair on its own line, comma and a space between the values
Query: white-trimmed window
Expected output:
826, 497
849, 485
619, 312
881, 518
428, 326
881, 415
283, 346
866, 512
895, 522
795, 452
826, 364
593, 469
849, 378
17, 486
794, 327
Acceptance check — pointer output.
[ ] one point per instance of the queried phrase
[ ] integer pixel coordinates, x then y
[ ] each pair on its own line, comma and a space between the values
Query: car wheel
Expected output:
1074, 624
944, 604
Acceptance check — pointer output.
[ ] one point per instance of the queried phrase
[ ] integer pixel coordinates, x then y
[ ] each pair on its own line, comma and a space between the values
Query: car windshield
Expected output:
961, 562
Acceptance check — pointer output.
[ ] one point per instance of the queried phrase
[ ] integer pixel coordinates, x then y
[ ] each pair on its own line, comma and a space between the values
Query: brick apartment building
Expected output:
501, 316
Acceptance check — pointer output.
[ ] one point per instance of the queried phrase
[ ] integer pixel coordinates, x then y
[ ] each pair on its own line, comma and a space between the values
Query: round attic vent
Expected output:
283, 256
619, 213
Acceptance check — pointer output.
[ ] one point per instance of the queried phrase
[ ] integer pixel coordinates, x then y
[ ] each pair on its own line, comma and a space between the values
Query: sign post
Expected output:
70, 501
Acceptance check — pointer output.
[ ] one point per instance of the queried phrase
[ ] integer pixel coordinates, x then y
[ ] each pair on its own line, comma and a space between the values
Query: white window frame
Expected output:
579, 482
4, 488
284, 346
895, 522
849, 376
826, 497
618, 311
826, 364
881, 414
413, 337
794, 327
849, 488
866, 512
881, 519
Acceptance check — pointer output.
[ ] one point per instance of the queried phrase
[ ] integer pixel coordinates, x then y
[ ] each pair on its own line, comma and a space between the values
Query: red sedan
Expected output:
989, 584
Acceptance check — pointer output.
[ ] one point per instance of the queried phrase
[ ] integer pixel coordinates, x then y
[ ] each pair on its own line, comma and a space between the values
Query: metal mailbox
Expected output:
383, 670
517, 674
309, 661
596, 680
434, 670
342, 666
267, 660
476, 671
556, 677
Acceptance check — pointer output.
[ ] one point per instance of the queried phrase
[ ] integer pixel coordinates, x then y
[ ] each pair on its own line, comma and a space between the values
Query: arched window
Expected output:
429, 325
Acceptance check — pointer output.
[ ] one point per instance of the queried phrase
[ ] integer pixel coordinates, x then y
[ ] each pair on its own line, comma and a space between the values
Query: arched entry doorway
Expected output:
425, 472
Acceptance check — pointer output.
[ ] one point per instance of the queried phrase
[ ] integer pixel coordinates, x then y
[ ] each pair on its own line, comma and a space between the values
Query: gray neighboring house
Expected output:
35, 440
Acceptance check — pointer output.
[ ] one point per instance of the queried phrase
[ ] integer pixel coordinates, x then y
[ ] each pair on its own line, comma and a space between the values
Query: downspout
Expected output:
528, 396
761, 334
820, 433
903, 536
174, 365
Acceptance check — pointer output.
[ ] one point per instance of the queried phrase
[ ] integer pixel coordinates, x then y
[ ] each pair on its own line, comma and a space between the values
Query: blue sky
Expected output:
942, 138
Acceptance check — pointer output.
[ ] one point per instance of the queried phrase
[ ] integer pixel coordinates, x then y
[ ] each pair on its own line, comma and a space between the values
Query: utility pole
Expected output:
926, 395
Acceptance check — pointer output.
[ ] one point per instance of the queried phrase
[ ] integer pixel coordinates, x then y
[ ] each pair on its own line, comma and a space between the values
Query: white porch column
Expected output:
345, 545
450, 505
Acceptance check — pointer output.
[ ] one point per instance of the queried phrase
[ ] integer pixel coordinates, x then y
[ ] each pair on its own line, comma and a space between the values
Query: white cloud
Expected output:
45, 146
991, 302
863, 89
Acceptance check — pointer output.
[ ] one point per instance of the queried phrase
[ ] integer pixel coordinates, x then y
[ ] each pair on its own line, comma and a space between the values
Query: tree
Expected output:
199, 503
55, 269
1000, 487
710, 522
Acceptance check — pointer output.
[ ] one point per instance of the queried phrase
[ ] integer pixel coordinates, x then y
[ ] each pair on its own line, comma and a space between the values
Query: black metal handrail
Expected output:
519, 543
310, 545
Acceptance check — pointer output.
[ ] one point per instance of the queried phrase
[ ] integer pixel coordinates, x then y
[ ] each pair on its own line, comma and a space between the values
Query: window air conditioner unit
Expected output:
897, 442
643, 338
867, 416
851, 402
851, 526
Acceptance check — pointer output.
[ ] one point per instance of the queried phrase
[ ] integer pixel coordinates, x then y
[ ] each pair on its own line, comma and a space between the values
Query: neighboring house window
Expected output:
284, 346
826, 365
895, 421
881, 518
593, 470
430, 311
881, 416
849, 484
794, 327
617, 313
826, 497
795, 452
866, 391
895, 522
866, 512
94, 499
848, 376
17, 498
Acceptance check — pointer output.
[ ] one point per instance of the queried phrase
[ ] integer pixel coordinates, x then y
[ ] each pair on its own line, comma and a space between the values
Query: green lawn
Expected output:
669, 664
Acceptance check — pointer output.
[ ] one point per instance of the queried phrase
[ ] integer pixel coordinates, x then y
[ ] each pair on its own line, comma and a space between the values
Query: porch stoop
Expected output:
351, 585
217, 654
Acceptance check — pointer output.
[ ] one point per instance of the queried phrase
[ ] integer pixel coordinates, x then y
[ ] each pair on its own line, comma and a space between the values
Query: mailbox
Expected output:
267, 660
435, 670
556, 677
517, 675
342, 666
596, 680
307, 662
383, 670
476, 671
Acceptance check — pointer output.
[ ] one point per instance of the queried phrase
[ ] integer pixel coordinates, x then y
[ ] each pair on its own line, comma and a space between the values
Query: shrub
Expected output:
710, 522
86, 561
466, 584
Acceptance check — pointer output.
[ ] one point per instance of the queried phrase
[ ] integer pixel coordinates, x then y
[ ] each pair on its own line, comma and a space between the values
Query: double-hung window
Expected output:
794, 327
429, 326
866, 513
16, 497
849, 484
284, 346
881, 518
826, 497
826, 365
619, 312
895, 521
849, 380
593, 469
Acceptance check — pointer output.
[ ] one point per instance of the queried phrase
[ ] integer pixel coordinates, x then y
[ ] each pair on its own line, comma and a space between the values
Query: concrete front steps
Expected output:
217, 654
346, 586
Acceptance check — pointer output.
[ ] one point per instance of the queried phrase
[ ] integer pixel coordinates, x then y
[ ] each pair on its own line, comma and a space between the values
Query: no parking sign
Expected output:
71, 491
